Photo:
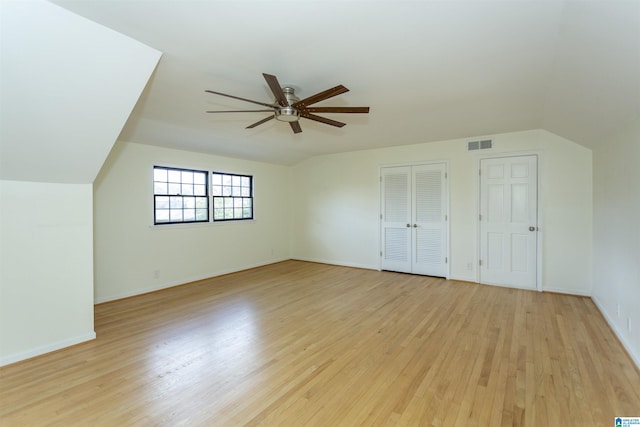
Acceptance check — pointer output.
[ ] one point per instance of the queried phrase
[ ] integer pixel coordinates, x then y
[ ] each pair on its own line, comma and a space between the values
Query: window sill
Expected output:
200, 224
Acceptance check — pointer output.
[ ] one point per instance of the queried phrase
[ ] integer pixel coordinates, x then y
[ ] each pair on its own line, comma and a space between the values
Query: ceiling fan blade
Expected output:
258, 123
275, 87
241, 99
241, 111
329, 93
337, 109
296, 127
324, 120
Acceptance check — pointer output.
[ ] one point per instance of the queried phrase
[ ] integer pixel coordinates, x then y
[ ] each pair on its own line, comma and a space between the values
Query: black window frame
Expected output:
225, 198
170, 195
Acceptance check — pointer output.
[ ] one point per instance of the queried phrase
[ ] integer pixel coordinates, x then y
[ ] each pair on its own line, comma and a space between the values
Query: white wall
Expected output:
129, 250
336, 205
68, 86
616, 266
46, 268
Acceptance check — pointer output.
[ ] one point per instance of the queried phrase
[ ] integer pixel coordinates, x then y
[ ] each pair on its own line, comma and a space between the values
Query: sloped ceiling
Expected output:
68, 86
429, 70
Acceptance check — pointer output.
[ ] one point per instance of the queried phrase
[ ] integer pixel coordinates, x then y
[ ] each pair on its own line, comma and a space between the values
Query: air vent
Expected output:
480, 145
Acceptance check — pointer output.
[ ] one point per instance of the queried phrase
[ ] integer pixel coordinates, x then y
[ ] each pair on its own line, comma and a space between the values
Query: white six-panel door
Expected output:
413, 219
508, 221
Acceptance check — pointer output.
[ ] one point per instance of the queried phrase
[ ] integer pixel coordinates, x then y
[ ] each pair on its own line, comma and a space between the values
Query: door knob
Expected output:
532, 229
408, 225
415, 225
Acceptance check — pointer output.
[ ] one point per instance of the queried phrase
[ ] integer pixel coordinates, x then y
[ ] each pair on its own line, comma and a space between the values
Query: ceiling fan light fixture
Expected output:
287, 114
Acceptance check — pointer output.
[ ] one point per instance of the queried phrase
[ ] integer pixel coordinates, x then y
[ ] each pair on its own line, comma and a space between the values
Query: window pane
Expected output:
201, 215
199, 178
246, 213
237, 213
246, 182
228, 213
159, 188
226, 191
159, 174
236, 191
189, 214
174, 175
202, 203
187, 189
218, 202
216, 190
216, 179
235, 181
176, 202
175, 214
246, 192
162, 202
237, 203
187, 177
174, 188
246, 203
189, 202
218, 214
200, 190
226, 179
162, 215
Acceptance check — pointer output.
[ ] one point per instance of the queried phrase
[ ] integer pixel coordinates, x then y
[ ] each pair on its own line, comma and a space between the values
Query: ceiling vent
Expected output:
480, 145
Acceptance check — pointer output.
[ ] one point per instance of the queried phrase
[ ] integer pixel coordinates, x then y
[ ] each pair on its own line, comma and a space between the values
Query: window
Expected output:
232, 196
180, 195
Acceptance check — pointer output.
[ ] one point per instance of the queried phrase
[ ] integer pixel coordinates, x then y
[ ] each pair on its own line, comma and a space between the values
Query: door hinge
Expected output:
446, 260
480, 262
445, 175
380, 216
446, 217
480, 217
380, 253
479, 171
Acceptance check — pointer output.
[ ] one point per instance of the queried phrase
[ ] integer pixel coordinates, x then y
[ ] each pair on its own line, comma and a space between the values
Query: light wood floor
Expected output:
304, 344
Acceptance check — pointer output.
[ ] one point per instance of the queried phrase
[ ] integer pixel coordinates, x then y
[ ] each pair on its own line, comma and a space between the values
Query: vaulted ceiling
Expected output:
429, 70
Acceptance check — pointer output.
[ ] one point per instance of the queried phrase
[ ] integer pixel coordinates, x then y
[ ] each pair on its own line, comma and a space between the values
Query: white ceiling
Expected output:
429, 70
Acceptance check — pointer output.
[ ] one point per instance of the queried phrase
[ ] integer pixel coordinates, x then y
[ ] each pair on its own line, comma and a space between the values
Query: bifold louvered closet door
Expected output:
413, 219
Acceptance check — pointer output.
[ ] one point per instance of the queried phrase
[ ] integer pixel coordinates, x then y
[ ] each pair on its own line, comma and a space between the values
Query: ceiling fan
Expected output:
289, 108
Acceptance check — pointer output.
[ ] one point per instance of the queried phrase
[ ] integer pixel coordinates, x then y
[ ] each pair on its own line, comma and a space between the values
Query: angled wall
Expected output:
67, 87
616, 235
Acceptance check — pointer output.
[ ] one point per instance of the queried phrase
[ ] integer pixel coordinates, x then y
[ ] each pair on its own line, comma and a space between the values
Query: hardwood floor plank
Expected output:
299, 343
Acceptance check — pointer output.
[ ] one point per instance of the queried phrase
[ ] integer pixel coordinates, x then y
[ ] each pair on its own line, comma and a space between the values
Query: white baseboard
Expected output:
167, 285
580, 293
38, 351
464, 278
342, 264
635, 357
